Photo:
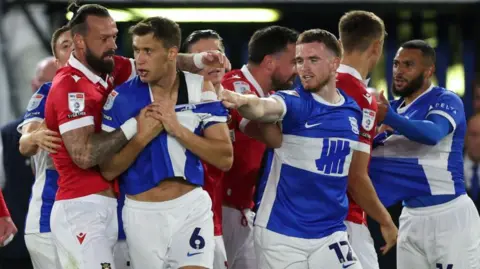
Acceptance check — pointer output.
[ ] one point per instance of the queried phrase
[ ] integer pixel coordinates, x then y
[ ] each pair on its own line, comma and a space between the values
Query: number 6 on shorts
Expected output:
196, 240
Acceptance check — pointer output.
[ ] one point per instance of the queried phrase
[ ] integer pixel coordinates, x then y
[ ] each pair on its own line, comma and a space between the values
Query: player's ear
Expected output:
268, 62
335, 64
172, 53
79, 41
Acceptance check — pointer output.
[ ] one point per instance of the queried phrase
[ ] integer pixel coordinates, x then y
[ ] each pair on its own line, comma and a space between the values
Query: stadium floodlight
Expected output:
227, 15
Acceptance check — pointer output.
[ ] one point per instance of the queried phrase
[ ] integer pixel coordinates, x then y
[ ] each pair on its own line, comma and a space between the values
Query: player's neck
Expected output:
358, 62
329, 92
262, 79
165, 85
415, 95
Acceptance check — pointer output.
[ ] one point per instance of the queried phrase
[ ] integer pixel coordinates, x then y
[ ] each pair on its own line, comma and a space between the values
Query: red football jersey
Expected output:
239, 182
75, 101
213, 185
351, 82
3, 206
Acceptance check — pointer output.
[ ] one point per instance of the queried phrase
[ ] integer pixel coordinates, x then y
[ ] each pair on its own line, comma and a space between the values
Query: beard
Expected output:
413, 86
279, 85
98, 64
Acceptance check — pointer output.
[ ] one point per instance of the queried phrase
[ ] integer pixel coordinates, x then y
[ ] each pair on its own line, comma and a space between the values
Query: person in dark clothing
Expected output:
18, 181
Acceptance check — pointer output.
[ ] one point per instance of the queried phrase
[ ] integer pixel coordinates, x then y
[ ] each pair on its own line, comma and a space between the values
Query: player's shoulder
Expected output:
44, 89
236, 81
290, 94
445, 94
69, 79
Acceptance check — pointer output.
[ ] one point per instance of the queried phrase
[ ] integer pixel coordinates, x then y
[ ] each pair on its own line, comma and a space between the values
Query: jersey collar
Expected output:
343, 68
401, 109
252, 80
73, 62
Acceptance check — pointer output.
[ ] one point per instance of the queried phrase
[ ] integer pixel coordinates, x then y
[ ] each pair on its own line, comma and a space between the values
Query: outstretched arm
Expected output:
253, 107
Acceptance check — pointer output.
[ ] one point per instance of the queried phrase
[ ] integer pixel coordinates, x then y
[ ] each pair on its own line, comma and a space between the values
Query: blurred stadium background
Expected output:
452, 27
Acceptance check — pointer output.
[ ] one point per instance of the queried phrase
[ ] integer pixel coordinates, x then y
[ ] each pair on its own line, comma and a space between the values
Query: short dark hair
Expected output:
268, 41
321, 36
358, 29
428, 52
199, 35
162, 28
56, 35
78, 23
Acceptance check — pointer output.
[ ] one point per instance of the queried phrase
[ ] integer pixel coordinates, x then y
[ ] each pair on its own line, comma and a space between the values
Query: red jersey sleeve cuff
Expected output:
75, 124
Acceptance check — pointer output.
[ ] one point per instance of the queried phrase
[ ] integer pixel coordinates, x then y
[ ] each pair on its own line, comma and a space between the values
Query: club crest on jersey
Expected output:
111, 98
354, 124
35, 101
368, 119
241, 87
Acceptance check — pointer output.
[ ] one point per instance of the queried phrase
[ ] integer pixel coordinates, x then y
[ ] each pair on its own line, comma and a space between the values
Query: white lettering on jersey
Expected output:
111, 98
241, 87
368, 119
76, 102
35, 101
354, 124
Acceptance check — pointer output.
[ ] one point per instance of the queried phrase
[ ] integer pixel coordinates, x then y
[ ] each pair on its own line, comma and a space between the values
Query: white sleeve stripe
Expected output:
282, 101
134, 69
363, 147
444, 114
75, 124
19, 127
107, 128
243, 124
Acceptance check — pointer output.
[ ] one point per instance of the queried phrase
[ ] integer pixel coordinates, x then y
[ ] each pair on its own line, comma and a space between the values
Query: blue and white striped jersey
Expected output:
402, 169
45, 186
305, 194
164, 157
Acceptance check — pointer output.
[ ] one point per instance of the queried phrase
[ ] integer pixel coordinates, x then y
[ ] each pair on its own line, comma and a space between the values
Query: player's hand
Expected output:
215, 59
166, 114
383, 107
7, 230
148, 126
46, 139
232, 99
389, 234
384, 128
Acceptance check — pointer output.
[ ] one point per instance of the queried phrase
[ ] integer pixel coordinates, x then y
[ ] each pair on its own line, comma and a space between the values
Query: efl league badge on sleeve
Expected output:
111, 98
241, 87
76, 102
368, 119
35, 101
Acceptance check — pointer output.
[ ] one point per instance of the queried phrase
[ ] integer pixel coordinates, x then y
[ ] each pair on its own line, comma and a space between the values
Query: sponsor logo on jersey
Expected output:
35, 101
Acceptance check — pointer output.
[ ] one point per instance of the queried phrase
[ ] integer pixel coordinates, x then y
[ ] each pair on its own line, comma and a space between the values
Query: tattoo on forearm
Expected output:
95, 147
185, 63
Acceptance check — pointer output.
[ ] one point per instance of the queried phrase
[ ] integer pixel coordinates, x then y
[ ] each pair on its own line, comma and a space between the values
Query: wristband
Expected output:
197, 60
129, 128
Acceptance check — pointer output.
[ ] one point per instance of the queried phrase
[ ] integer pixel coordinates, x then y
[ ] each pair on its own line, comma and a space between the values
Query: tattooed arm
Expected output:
87, 148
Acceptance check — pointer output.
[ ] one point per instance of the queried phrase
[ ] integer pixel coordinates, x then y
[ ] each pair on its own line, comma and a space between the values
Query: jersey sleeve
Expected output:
74, 105
3, 207
124, 70
235, 121
114, 111
36, 106
213, 113
292, 107
450, 106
